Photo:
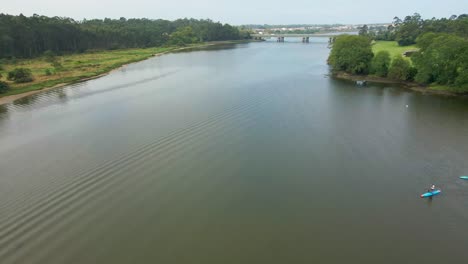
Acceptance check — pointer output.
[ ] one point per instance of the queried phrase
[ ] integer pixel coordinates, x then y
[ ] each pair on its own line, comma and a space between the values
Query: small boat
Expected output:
464, 177
361, 83
430, 194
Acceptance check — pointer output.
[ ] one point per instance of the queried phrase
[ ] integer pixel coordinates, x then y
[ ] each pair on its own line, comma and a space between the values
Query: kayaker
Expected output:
432, 188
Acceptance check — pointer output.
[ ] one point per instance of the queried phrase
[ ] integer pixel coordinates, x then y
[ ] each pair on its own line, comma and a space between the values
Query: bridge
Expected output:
280, 37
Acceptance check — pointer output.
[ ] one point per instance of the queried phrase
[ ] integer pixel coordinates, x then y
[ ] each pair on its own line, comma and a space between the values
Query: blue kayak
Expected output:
430, 194
464, 177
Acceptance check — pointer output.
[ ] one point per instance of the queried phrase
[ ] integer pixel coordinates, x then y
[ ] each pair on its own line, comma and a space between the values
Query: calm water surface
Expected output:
243, 153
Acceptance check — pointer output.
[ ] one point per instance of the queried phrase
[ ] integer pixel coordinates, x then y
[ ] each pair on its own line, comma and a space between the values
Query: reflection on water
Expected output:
28, 100
3, 109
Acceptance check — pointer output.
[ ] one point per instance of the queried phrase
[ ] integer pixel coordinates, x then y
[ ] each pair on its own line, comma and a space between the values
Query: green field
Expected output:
392, 47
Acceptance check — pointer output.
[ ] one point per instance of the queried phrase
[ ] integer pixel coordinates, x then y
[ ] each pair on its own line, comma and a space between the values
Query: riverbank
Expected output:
438, 90
77, 68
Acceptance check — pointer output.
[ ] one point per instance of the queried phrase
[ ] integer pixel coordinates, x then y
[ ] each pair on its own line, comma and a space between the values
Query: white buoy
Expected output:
406, 106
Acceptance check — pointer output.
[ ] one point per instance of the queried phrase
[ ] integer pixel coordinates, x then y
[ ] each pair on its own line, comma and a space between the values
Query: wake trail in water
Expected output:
52, 97
34, 218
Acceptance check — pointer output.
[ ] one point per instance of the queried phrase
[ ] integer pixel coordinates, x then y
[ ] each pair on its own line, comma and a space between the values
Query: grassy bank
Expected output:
79, 67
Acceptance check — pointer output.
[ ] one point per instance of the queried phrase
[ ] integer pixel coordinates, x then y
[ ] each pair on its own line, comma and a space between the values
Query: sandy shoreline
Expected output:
11, 98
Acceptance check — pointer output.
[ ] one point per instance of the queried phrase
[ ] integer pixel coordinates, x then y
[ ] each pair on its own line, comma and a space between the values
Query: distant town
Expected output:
306, 28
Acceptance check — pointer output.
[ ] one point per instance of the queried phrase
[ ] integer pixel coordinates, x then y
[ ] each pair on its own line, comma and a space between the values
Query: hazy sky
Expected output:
242, 11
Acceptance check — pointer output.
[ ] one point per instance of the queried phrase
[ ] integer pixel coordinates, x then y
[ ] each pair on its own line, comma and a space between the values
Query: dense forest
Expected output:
442, 58
26, 37
405, 31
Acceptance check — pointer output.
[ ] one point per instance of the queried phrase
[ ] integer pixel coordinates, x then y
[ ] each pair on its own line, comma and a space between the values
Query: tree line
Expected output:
406, 31
442, 58
26, 37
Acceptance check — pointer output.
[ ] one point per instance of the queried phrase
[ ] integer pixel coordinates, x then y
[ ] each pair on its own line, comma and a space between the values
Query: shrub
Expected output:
48, 72
462, 79
49, 56
412, 73
381, 63
20, 75
4, 87
400, 69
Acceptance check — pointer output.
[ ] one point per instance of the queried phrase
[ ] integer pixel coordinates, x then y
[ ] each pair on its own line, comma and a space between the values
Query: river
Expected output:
245, 153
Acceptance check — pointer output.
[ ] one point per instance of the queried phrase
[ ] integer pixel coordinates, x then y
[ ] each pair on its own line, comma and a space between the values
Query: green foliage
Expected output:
352, 54
443, 59
406, 31
388, 34
400, 69
409, 30
363, 31
27, 37
20, 75
2, 61
461, 83
48, 72
4, 87
182, 37
51, 58
380, 63
425, 40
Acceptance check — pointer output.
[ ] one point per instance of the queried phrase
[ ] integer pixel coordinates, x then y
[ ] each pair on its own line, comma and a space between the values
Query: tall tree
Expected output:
363, 31
351, 54
409, 30
381, 63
